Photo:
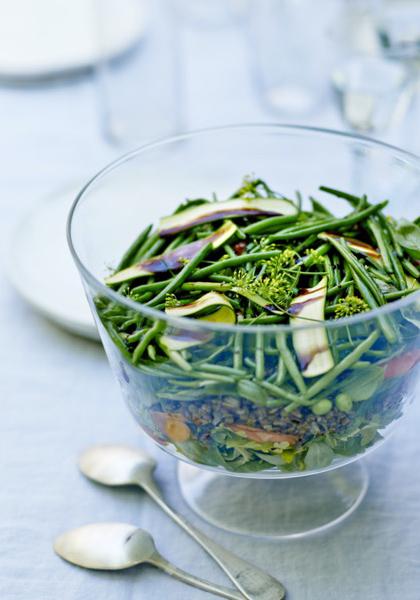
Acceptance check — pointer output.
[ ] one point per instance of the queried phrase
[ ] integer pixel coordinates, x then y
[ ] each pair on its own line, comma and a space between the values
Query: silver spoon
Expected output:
116, 546
121, 465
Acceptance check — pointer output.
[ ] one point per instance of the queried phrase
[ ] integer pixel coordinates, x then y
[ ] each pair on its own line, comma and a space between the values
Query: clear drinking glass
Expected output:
141, 91
241, 400
290, 59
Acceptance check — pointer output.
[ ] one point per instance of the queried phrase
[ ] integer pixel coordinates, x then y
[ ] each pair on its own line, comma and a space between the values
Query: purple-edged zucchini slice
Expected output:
311, 345
223, 310
212, 211
182, 339
173, 260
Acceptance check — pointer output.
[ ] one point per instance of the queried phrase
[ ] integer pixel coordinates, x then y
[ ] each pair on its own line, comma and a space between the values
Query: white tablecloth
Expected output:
58, 395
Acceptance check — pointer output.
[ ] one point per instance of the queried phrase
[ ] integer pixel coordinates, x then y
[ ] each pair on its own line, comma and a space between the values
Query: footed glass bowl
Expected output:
238, 399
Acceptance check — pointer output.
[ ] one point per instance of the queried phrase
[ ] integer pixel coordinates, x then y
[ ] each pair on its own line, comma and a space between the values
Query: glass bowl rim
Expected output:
193, 324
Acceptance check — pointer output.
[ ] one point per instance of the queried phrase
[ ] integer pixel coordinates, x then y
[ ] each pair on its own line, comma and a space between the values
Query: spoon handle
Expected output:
251, 581
158, 561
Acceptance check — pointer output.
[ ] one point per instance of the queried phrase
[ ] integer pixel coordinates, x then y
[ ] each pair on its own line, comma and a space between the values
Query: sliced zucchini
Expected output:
173, 260
311, 345
236, 207
223, 313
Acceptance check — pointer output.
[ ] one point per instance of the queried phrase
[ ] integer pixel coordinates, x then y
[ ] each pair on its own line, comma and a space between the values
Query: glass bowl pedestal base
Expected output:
274, 508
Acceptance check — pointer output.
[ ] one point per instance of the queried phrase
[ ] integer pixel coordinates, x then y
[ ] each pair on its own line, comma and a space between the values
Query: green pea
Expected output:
344, 402
322, 407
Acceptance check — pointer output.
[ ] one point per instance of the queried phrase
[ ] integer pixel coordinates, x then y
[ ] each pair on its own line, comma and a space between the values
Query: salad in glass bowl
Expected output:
266, 325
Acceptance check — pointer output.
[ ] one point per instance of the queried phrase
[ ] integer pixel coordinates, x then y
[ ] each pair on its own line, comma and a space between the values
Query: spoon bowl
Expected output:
105, 546
116, 465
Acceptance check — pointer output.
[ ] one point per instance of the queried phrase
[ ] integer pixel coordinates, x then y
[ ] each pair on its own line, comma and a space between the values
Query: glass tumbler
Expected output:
140, 92
290, 59
252, 424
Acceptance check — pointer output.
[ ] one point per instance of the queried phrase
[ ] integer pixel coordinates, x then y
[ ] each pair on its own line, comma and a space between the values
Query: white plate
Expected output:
42, 38
41, 268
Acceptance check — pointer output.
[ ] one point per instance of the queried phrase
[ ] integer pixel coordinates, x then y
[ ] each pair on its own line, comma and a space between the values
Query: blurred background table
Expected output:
58, 395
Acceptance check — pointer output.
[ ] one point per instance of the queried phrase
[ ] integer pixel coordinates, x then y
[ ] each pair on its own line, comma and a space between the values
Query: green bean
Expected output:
179, 279
329, 271
259, 356
335, 224
399, 294
381, 243
354, 200
281, 371
329, 310
274, 402
308, 260
378, 275
143, 297
154, 249
221, 278
389, 227
130, 254
210, 357
147, 338
317, 206
136, 336
289, 362
116, 338
377, 353
410, 268
229, 263
178, 359
398, 272
151, 352
361, 364
176, 242
229, 250
222, 370
238, 351
148, 243
149, 287
267, 224
338, 288
214, 376
331, 376
249, 362
306, 243
278, 391
119, 319
187, 383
